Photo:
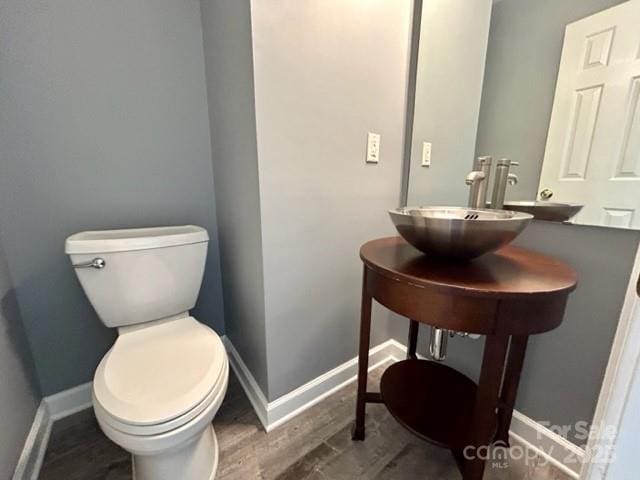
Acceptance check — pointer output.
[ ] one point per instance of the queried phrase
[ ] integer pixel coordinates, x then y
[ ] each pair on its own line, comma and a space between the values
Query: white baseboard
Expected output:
52, 408
249, 384
274, 414
552, 447
35, 445
297, 401
68, 402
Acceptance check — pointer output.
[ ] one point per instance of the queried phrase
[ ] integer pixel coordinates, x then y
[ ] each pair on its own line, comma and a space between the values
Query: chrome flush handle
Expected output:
97, 263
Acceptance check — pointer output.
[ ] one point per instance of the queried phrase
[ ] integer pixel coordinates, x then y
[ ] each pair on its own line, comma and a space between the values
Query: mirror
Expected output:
551, 85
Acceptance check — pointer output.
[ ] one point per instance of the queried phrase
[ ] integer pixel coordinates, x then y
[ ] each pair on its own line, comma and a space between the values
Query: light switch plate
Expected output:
426, 154
373, 147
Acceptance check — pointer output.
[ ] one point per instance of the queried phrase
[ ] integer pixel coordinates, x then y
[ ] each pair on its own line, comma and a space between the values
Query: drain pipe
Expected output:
438, 343
439, 339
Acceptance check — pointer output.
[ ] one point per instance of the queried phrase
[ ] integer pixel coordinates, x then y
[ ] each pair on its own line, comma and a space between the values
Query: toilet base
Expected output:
197, 460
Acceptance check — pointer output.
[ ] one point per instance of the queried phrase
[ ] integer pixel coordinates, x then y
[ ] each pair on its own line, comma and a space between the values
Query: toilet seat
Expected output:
145, 431
158, 378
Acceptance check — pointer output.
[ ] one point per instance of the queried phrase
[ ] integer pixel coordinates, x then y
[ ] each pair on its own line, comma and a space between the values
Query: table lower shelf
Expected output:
433, 401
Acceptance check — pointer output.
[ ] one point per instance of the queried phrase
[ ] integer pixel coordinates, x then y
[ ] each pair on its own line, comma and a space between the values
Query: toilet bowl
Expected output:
157, 390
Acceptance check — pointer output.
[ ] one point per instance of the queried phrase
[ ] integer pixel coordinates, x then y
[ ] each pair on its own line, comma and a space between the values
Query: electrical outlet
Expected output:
373, 147
426, 154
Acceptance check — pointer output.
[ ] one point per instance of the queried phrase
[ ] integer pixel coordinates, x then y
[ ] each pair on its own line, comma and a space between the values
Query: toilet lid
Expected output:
158, 373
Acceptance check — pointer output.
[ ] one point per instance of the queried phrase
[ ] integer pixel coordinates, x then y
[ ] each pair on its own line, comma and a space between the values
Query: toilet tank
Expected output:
138, 275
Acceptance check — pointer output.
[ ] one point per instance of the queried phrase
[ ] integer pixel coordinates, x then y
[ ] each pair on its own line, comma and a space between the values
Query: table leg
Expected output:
517, 351
363, 359
414, 326
484, 412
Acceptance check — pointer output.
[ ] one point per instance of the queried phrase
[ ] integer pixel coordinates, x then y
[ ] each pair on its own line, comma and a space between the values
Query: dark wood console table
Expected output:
506, 296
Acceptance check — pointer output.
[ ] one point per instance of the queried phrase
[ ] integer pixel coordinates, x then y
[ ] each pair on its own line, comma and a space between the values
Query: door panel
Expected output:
580, 137
629, 164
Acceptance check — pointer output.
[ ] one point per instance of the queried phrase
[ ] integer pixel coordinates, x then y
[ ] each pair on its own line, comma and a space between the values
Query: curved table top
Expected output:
511, 272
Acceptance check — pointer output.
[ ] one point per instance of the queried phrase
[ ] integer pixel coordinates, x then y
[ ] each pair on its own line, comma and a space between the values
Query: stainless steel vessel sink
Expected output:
458, 232
550, 211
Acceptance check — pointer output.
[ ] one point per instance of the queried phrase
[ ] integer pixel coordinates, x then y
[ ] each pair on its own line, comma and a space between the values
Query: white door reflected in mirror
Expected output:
593, 146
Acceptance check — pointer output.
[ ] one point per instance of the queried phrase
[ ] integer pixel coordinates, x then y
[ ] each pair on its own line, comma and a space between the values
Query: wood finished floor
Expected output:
316, 445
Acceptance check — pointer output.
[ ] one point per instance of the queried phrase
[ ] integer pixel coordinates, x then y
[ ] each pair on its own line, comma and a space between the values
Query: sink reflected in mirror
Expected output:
549, 211
458, 232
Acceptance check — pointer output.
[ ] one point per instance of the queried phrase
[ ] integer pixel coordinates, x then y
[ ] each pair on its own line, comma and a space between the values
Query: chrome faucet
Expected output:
503, 178
478, 180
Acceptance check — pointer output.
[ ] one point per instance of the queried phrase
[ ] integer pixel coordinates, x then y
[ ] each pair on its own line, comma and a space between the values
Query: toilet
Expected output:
158, 388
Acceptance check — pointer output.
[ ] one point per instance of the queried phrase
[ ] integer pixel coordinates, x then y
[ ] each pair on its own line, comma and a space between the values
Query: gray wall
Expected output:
326, 73
525, 44
103, 124
565, 368
19, 395
228, 57
451, 62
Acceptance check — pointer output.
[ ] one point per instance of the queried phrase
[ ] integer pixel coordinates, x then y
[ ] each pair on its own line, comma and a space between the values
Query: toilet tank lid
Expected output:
105, 241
